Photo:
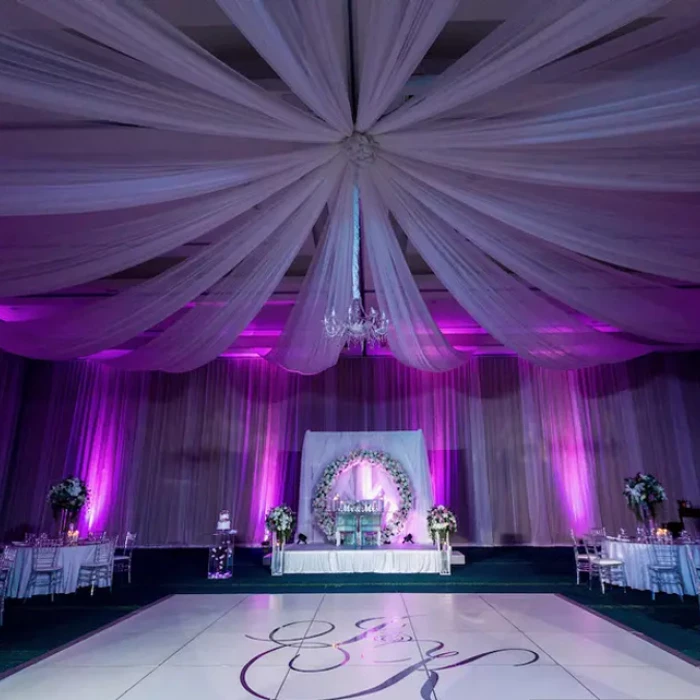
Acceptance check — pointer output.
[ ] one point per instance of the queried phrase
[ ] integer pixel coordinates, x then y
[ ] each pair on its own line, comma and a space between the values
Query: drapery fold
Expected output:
43, 186
639, 231
414, 336
133, 29
392, 38
305, 41
539, 32
37, 258
643, 306
209, 328
548, 173
521, 454
304, 346
108, 323
514, 314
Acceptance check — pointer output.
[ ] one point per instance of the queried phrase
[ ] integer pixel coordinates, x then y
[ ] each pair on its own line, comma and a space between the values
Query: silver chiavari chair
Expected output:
611, 571
122, 562
7, 563
665, 568
100, 568
582, 559
45, 564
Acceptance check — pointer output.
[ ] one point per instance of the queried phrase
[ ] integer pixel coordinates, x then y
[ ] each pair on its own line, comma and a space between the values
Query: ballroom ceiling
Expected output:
204, 22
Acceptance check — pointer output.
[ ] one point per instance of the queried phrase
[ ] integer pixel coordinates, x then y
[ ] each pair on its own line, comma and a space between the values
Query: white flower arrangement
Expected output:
70, 495
319, 503
441, 520
281, 521
643, 493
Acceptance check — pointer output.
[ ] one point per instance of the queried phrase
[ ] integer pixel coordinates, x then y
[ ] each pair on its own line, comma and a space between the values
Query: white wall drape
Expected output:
556, 151
521, 454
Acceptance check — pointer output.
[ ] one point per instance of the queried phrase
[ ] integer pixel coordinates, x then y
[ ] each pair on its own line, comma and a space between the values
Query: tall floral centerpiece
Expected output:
441, 521
67, 498
643, 493
280, 520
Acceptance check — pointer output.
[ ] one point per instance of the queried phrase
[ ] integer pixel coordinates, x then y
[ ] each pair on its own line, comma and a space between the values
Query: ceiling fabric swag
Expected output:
547, 178
305, 41
304, 346
107, 323
130, 27
511, 311
643, 306
42, 254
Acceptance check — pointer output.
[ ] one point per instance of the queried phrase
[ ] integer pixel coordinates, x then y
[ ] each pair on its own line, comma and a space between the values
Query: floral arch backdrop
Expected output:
547, 177
319, 504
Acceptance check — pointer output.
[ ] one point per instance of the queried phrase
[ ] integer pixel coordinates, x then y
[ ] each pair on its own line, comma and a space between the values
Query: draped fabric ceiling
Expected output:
552, 169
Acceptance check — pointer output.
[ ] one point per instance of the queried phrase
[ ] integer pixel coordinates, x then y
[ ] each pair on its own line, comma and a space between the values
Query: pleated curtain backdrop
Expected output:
520, 453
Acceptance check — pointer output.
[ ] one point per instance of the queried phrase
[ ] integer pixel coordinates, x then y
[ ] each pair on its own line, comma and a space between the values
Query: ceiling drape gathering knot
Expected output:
543, 184
360, 149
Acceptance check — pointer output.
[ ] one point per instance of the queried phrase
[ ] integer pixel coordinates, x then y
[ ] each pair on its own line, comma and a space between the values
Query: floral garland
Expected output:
643, 492
441, 520
319, 503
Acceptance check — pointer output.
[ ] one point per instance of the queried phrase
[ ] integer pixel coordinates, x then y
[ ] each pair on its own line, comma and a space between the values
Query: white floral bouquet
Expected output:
70, 495
643, 492
281, 521
441, 520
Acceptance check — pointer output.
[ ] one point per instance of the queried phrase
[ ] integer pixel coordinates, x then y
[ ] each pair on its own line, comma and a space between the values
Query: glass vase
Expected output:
64, 519
444, 554
277, 558
221, 556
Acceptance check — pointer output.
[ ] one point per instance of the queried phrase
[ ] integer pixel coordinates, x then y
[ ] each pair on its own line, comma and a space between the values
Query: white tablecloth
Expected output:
71, 558
408, 560
638, 556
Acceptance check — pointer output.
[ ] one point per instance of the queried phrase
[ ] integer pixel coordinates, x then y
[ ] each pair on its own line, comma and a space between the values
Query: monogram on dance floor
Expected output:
388, 635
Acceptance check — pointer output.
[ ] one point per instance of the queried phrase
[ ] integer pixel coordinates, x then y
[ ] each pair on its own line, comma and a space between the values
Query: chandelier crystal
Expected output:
357, 327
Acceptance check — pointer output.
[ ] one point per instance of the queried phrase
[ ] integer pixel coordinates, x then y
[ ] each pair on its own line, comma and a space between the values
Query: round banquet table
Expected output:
637, 557
71, 557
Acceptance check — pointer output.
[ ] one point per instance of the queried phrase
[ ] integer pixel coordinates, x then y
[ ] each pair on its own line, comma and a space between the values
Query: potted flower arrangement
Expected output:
643, 493
67, 498
441, 521
280, 520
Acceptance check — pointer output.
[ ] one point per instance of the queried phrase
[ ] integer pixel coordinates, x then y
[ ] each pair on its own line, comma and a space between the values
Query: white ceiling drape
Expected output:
550, 172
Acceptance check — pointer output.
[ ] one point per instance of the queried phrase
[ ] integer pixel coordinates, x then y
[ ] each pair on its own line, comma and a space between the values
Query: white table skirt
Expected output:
361, 561
637, 557
70, 558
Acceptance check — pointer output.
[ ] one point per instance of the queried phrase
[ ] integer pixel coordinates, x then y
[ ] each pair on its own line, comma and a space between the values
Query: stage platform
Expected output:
391, 559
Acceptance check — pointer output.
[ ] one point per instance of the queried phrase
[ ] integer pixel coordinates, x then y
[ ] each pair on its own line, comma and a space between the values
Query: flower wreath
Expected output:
319, 503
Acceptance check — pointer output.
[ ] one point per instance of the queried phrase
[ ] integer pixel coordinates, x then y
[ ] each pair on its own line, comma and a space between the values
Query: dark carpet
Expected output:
37, 626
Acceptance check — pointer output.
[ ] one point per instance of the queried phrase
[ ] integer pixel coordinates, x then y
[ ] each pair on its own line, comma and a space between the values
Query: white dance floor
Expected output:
384, 646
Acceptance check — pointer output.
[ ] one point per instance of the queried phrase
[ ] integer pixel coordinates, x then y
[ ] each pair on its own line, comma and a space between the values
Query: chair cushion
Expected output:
608, 562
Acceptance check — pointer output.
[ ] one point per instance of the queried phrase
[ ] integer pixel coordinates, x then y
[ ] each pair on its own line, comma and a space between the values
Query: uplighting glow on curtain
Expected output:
550, 172
521, 454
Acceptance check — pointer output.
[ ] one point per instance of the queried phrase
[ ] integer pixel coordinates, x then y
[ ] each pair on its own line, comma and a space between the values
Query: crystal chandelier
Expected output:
357, 327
